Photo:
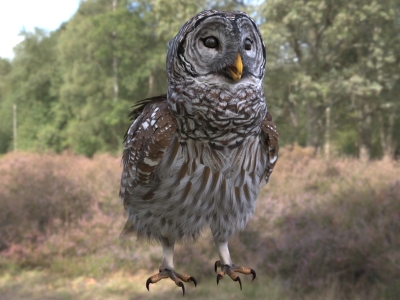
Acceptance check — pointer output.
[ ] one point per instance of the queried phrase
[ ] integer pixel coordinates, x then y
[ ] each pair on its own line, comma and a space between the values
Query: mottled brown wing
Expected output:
271, 137
146, 141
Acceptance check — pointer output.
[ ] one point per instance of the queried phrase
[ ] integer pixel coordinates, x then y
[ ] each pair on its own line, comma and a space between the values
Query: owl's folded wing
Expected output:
146, 141
271, 138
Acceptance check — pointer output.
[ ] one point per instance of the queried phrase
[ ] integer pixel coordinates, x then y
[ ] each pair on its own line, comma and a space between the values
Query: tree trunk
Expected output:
386, 138
115, 75
327, 146
15, 126
365, 134
295, 124
312, 127
115, 59
293, 114
151, 85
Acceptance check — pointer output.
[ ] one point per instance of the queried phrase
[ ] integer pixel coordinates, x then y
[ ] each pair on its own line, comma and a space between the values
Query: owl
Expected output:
198, 156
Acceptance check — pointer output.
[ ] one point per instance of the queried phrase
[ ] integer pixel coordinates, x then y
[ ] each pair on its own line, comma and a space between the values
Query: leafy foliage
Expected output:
332, 75
337, 63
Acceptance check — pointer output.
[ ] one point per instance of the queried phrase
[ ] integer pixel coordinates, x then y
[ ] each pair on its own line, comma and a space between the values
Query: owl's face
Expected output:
218, 46
215, 68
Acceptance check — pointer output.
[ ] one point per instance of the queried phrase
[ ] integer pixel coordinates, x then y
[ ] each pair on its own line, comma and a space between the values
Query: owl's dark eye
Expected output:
210, 42
247, 44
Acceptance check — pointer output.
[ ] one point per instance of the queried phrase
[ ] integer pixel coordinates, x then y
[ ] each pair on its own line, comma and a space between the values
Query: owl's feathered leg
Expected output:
226, 265
167, 268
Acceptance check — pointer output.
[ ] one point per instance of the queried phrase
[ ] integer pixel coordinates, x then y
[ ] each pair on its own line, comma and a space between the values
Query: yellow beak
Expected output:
236, 70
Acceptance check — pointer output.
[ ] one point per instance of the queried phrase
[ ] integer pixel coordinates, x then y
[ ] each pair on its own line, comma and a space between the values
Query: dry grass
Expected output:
332, 221
57, 208
322, 230
35, 191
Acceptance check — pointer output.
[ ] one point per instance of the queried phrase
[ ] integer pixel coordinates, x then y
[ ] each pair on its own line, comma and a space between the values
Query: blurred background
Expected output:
326, 227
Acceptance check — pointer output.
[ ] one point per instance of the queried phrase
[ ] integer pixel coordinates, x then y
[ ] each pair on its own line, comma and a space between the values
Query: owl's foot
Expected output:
174, 276
231, 271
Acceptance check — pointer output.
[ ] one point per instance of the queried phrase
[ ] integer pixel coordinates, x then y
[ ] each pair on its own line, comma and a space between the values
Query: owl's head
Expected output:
217, 46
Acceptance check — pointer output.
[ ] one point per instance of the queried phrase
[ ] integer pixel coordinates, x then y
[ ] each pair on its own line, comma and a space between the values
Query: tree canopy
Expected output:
332, 80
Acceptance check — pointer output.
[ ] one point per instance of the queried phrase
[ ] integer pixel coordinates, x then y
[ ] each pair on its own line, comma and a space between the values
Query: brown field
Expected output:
322, 230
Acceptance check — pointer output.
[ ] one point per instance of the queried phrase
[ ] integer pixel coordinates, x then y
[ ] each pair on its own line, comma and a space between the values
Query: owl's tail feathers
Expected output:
128, 230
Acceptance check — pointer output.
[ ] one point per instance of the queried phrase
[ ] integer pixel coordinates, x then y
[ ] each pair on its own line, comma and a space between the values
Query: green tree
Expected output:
30, 86
337, 67
332, 75
112, 54
5, 107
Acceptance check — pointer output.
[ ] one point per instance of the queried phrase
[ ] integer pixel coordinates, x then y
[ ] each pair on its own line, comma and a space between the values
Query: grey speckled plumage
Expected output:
198, 156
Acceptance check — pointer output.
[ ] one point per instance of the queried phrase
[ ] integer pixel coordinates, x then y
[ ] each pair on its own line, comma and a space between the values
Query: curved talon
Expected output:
194, 280
174, 276
216, 265
253, 273
183, 288
240, 282
219, 276
147, 284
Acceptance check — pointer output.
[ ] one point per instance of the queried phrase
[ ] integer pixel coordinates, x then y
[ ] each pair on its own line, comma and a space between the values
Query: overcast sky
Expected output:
15, 15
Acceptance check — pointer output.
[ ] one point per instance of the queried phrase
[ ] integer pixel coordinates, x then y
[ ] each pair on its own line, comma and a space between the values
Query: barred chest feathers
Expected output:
212, 170
197, 185
211, 113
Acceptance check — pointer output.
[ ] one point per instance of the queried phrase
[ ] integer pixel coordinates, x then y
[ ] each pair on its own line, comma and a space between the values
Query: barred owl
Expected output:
199, 155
